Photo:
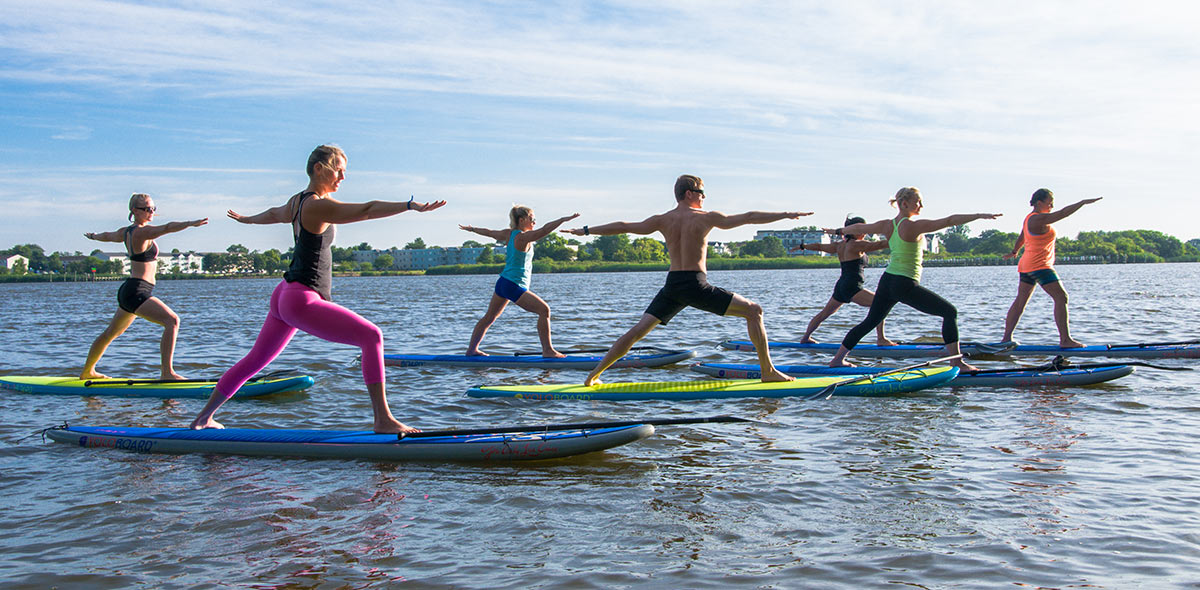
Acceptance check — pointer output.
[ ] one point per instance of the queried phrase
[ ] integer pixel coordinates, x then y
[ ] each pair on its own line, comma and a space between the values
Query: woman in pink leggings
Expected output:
303, 300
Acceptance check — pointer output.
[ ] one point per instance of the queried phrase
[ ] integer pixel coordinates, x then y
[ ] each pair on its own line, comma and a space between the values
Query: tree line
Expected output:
956, 242
1155, 245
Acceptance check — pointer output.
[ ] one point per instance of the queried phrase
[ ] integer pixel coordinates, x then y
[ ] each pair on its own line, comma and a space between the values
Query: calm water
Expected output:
1095, 487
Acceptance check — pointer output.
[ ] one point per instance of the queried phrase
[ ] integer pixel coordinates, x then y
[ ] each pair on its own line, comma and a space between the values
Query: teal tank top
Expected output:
906, 256
518, 265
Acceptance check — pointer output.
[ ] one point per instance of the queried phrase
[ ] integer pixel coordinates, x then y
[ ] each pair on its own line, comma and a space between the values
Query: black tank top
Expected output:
148, 255
855, 269
312, 258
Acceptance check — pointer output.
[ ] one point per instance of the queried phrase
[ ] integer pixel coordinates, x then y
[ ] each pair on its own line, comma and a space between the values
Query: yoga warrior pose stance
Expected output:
901, 279
134, 298
513, 284
1036, 266
303, 300
686, 228
852, 254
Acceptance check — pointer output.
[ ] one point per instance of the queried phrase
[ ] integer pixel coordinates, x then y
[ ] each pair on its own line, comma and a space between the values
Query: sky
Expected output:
592, 108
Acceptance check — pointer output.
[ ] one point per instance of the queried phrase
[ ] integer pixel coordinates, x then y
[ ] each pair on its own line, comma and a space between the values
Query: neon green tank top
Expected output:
906, 256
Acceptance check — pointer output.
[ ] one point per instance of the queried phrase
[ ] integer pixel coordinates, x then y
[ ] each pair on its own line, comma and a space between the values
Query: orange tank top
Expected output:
1039, 250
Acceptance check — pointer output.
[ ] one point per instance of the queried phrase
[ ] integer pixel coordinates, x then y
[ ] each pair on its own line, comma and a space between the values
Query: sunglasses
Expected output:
147, 209
697, 190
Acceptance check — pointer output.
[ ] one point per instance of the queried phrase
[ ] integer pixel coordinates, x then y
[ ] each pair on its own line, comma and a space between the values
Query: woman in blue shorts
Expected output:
513, 284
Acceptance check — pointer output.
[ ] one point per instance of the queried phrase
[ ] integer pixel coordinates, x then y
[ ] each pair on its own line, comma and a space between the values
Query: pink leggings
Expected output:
297, 307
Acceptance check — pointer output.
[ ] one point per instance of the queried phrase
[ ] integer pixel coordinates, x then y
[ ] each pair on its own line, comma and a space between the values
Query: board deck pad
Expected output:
140, 388
1153, 351
893, 384
582, 361
1016, 377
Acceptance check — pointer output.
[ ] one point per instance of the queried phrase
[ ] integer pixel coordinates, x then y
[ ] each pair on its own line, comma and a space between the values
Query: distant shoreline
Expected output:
543, 267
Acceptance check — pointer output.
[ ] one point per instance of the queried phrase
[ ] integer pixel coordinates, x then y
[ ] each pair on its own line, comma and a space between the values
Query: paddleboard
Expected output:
896, 383
1016, 377
147, 387
1189, 349
583, 361
904, 350
495, 447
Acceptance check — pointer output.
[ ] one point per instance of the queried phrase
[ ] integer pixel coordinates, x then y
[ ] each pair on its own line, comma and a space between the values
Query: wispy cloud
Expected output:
1054, 71
76, 133
862, 59
757, 90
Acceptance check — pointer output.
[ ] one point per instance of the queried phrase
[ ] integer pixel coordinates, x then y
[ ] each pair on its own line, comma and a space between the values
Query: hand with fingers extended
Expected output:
424, 207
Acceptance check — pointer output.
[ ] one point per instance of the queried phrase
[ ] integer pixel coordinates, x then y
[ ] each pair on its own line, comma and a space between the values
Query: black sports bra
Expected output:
147, 255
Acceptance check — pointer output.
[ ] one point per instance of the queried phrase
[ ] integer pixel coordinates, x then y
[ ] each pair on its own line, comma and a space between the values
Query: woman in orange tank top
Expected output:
1036, 266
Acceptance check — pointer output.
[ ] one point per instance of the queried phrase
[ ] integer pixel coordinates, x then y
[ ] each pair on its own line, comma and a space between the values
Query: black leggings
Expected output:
895, 289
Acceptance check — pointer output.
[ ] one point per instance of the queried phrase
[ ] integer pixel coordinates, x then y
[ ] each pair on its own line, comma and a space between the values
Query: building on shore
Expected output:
14, 261
793, 238
721, 248
182, 262
421, 258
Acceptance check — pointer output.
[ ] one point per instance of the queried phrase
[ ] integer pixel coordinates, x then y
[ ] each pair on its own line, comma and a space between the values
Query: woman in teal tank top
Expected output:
901, 279
513, 284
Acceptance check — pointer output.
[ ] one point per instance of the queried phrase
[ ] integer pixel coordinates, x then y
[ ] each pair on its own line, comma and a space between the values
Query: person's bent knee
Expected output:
754, 311
365, 335
373, 335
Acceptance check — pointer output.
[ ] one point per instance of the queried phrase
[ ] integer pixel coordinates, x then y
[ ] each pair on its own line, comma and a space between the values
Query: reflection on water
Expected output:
1042, 476
1090, 487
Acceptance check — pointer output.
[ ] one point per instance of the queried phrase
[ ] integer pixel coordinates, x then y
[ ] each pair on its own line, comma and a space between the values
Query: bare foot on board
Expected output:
776, 377
198, 424
963, 366
392, 427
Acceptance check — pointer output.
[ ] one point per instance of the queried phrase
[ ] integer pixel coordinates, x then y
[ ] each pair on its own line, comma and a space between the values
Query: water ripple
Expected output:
1078, 487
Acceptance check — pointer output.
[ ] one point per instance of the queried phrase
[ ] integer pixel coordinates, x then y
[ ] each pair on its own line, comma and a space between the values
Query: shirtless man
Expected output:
686, 229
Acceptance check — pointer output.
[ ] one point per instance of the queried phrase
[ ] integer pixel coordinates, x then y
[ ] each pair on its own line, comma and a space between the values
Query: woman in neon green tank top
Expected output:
901, 279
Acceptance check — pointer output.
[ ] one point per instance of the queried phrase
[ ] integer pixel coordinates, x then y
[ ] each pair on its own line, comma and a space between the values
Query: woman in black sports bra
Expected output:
134, 298
852, 254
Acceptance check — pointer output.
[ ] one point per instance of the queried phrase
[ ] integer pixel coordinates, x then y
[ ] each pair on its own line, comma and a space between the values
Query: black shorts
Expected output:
846, 288
133, 293
686, 288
